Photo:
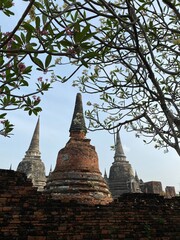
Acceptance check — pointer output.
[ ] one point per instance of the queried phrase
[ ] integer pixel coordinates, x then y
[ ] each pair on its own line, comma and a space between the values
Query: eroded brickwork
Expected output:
77, 175
26, 214
170, 191
152, 187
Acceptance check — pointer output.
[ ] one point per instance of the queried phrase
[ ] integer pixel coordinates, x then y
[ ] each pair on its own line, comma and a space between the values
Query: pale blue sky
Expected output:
55, 120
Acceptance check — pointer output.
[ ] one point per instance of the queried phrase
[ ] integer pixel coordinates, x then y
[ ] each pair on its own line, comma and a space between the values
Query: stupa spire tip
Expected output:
34, 145
119, 152
78, 122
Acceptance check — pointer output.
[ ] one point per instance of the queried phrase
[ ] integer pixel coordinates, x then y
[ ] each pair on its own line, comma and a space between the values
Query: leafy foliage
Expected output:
39, 40
136, 68
129, 54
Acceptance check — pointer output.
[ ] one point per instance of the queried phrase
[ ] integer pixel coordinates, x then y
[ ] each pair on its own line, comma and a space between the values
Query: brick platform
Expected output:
26, 214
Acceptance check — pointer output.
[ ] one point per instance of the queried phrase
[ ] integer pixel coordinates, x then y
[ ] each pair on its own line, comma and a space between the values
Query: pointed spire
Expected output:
136, 176
119, 152
105, 174
32, 164
78, 122
34, 145
50, 170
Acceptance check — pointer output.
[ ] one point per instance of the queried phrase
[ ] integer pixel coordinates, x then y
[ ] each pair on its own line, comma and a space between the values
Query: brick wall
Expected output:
26, 214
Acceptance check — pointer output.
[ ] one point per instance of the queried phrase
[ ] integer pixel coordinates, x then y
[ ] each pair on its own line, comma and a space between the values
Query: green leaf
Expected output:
88, 36
27, 70
8, 3
44, 19
84, 14
49, 29
28, 101
37, 22
46, 2
76, 16
90, 55
66, 43
34, 45
18, 39
36, 110
28, 36
38, 5
86, 46
23, 37
30, 112
82, 36
28, 27
84, 63
24, 83
38, 62
8, 127
77, 37
85, 31
59, 35
8, 12
48, 61
45, 86
142, 7
1, 60
3, 115
6, 90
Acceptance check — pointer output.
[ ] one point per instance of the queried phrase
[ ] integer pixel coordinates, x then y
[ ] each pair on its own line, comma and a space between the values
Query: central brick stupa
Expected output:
76, 175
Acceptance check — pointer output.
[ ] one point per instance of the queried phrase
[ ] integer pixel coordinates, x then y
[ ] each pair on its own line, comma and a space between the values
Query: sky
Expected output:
55, 119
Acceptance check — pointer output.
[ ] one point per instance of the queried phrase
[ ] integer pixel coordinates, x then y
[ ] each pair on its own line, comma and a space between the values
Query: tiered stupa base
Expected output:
82, 187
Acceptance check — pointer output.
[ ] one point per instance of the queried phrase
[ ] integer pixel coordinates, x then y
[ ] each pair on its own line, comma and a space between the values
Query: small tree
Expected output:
135, 66
38, 40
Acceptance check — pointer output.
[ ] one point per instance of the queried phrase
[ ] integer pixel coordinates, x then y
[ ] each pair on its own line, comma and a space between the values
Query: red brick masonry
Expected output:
26, 214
